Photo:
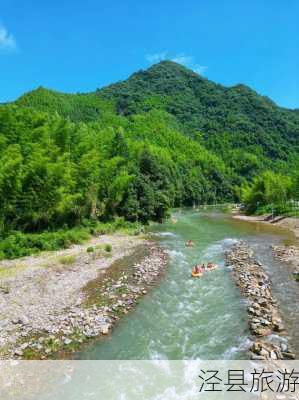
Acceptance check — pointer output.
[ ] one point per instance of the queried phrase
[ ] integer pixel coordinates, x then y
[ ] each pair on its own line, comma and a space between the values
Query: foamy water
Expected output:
187, 318
184, 318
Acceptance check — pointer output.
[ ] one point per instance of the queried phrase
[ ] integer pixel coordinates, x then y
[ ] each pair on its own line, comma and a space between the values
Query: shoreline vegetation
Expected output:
54, 303
17, 244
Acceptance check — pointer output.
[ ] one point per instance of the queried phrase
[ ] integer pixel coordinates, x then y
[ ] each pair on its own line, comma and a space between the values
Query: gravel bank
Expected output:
265, 321
46, 305
290, 255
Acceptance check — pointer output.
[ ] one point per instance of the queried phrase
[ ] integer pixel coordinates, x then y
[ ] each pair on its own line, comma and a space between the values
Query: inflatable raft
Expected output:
196, 275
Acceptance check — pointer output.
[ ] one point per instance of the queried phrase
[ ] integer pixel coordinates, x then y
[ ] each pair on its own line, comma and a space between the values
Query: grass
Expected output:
54, 345
117, 225
17, 244
4, 288
101, 250
8, 272
67, 260
108, 248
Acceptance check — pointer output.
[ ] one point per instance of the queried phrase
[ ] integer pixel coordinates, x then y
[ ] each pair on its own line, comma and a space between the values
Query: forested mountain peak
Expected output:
169, 78
223, 119
165, 137
168, 69
237, 114
164, 78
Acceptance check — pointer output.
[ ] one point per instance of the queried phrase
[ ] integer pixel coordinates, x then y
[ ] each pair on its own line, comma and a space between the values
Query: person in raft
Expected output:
189, 243
199, 269
196, 270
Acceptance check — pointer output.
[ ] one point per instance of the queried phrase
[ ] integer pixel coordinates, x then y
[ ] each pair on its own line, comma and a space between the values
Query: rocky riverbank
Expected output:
290, 255
53, 305
286, 253
265, 322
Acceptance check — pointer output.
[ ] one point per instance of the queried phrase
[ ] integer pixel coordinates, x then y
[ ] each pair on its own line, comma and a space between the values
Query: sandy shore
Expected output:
46, 303
289, 223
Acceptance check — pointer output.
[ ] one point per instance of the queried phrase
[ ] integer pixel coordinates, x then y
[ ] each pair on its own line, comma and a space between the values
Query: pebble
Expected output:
79, 323
264, 316
105, 330
289, 356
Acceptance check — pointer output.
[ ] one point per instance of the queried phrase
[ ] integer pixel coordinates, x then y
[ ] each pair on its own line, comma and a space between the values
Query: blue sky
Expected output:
82, 45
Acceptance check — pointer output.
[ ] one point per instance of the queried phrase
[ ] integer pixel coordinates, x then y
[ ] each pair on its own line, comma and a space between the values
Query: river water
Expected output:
185, 318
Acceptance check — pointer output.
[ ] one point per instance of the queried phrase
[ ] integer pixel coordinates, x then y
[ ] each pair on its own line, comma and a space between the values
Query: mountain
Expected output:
166, 137
221, 118
237, 114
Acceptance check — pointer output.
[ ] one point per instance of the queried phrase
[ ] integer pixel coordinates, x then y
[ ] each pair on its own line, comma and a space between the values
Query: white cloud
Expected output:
7, 41
157, 57
200, 69
189, 62
180, 58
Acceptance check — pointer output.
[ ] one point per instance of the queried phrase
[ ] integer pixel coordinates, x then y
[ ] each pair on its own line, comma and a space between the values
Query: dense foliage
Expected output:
165, 137
54, 172
77, 107
228, 118
18, 244
272, 193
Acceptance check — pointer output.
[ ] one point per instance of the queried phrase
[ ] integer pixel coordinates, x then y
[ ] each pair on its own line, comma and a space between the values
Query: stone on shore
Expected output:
263, 313
111, 298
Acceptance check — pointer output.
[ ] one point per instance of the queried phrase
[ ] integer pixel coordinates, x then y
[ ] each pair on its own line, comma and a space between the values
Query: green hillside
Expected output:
77, 107
165, 137
222, 119
237, 115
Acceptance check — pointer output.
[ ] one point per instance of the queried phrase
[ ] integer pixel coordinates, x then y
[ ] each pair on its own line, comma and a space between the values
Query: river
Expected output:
185, 318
